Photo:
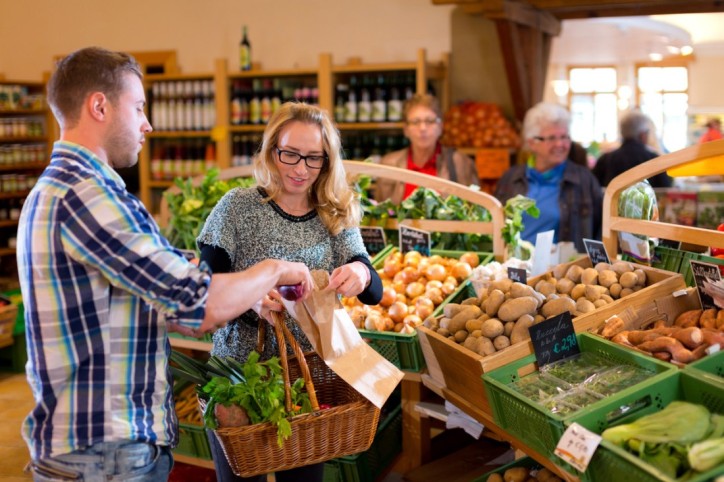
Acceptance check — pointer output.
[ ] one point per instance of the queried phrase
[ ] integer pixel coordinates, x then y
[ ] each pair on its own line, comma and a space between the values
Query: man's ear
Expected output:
98, 106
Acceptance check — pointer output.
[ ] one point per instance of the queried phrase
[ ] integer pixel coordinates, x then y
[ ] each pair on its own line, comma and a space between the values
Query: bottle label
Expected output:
244, 58
394, 110
379, 110
350, 112
364, 111
255, 111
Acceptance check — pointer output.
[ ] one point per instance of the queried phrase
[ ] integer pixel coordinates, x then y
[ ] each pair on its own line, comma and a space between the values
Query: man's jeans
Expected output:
123, 461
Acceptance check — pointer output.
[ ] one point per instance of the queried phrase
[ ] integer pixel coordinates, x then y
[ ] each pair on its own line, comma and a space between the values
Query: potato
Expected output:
444, 322
538, 318
615, 290
472, 325
625, 292
607, 278
495, 478
476, 334
564, 286
431, 323
501, 342
556, 307
578, 291
508, 328
520, 330
501, 284
584, 306
606, 298
628, 279
470, 343
574, 273
492, 328
545, 287
484, 346
589, 276
443, 332
451, 309
492, 304
470, 301
461, 335
594, 292
515, 474
599, 303
601, 266
514, 308
621, 267
519, 289
640, 277
468, 312
559, 272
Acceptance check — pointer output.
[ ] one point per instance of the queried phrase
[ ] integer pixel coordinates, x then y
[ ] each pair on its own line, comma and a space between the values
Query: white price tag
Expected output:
577, 446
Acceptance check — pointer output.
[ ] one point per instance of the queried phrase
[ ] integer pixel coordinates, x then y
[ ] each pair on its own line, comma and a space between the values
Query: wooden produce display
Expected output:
459, 369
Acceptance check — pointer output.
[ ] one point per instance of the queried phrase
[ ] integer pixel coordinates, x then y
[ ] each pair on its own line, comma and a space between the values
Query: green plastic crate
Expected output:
541, 430
521, 462
677, 261
193, 441
368, 466
611, 462
464, 291
713, 364
403, 350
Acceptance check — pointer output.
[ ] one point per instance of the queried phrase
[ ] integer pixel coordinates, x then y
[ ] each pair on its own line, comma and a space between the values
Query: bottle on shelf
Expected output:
210, 157
276, 95
364, 104
394, 103
265, 103
189, 105
180, 106
170, 107
350, 107
339, 103
255, 102
409, 85
209, 107
379, 105
198, 106
235, 108
244, 51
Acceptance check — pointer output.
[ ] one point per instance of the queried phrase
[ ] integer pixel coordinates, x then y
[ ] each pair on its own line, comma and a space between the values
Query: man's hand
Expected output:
291, 273
184, 330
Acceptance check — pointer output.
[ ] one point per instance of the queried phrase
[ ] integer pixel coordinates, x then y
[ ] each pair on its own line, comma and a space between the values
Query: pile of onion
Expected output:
413, 286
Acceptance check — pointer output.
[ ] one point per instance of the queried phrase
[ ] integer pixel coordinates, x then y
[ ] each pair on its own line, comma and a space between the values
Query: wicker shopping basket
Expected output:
348, 427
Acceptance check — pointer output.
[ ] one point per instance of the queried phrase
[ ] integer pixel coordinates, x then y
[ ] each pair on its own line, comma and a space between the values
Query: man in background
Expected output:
635, 131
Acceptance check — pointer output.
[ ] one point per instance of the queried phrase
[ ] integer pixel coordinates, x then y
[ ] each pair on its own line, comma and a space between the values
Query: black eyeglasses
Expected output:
552, 139
292, 159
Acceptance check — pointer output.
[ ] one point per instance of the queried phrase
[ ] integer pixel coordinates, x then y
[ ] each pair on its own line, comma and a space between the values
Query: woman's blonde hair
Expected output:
336, 203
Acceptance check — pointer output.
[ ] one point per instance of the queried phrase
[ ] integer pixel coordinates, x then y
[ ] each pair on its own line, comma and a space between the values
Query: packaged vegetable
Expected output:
638, 202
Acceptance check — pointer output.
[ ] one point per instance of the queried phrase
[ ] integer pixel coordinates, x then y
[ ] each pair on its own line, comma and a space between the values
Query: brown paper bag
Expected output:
337, 341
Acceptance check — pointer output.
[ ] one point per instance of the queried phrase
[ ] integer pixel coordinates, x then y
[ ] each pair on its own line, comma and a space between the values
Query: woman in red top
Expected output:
423, 128
713, 131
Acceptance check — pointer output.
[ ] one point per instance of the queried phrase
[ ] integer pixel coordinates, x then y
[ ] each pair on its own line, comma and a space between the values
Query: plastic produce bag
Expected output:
638, 202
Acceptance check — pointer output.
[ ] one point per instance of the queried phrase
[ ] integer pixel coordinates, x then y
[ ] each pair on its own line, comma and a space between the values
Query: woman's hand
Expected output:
350, 279
270, 302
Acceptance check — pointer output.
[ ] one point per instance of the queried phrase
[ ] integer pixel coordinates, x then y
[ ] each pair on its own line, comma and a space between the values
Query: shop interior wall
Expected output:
283, 33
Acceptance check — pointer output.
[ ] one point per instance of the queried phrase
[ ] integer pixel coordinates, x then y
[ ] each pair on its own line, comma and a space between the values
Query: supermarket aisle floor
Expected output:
16, 400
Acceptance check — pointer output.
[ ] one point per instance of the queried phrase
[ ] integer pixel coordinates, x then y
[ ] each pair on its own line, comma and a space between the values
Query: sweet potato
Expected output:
708, 318
720, 320
636, 337
612, 326
231, 416
690, 337
621, 338
712, 337
662, 355
688, 318
678, 351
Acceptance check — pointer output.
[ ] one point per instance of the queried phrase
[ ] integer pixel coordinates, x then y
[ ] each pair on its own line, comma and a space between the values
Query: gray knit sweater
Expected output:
251, 230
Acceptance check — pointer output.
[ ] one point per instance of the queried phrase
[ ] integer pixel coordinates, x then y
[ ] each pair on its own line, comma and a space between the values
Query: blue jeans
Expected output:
124, 461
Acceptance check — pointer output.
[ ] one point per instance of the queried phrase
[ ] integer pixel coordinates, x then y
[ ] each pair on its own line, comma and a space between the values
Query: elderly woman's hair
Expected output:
542, 115
425, 100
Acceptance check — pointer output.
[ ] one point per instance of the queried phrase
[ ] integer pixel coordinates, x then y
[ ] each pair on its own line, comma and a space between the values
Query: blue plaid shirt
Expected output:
99, 283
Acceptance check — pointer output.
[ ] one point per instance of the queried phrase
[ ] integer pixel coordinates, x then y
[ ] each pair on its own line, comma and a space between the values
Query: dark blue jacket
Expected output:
630, 154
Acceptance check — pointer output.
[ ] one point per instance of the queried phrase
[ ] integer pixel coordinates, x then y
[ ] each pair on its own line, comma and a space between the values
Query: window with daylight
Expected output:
662, 93
592, 102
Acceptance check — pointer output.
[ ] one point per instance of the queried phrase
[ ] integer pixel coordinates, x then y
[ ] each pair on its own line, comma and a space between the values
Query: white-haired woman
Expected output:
568, 195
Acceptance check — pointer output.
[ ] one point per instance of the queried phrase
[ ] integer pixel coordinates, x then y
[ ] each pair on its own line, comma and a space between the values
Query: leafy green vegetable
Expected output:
706, 455
256, 386
513, 212
190, 208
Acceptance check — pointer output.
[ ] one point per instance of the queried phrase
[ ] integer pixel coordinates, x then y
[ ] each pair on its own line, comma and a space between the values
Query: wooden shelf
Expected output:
7, 251
369, 125
10, 112
185, 459
177, 134
14, 195
258, 73
173, 77
9, 140
248, 128
23, 167
355, 68
8, 223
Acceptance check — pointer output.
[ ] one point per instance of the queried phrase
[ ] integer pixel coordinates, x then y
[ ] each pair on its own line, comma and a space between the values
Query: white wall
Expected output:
283, 33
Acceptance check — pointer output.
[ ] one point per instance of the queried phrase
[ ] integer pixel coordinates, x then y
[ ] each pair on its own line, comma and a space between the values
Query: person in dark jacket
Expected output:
568, 195
632, 152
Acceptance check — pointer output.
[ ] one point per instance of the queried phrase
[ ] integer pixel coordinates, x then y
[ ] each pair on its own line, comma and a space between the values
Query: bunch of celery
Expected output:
681, 440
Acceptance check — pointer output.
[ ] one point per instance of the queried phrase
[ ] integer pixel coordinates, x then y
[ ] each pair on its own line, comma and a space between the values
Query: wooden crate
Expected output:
460, 370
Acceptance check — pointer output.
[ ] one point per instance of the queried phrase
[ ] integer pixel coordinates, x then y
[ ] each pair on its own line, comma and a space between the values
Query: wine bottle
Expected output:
244, 52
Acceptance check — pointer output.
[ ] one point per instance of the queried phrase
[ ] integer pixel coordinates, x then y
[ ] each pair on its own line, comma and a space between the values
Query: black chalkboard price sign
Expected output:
554, 339
412, 239
706, 276
596, 251
518, 274
373, 238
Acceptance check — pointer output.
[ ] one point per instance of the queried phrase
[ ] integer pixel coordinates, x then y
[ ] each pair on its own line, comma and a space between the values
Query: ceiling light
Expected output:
655, 57
687, 50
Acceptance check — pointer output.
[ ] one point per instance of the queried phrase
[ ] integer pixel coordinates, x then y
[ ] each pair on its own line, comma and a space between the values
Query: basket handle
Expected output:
284, 336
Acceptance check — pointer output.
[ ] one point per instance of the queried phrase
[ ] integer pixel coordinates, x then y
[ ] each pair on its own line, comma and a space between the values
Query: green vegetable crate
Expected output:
403, 350
368, 466
193, 441
713, 364
526, 462
611, 462
541, 430
677, 261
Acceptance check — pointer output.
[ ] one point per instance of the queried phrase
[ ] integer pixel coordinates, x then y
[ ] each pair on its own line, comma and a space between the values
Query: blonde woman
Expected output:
303, 210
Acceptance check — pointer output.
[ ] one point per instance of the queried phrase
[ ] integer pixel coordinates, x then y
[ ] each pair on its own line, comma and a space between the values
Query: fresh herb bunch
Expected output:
513, 212
257, 387
190, 208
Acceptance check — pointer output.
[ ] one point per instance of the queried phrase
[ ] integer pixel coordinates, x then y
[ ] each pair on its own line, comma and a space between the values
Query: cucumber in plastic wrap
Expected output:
638, 202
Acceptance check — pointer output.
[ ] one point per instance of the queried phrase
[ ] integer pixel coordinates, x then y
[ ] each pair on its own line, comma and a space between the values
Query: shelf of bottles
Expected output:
255, 96
23, 152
